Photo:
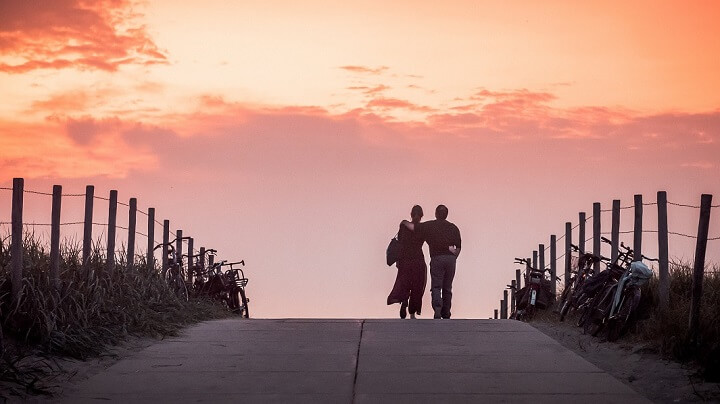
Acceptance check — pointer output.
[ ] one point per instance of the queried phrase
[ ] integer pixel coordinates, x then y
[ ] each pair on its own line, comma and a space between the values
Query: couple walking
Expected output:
443, 239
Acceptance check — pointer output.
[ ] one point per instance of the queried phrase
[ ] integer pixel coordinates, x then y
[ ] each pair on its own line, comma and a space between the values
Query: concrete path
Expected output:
362, 361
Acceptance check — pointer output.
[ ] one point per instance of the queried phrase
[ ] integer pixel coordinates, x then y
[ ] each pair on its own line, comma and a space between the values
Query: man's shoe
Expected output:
437, 314
403, 310
412, 316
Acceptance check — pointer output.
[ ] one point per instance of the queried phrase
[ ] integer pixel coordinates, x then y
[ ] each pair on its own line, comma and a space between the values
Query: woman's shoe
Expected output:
403, 310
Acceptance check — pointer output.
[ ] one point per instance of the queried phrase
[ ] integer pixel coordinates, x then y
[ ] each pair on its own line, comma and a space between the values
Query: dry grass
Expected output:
670, 328
94, 308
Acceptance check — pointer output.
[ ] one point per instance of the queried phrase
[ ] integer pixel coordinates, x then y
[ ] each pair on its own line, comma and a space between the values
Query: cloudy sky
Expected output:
297, 134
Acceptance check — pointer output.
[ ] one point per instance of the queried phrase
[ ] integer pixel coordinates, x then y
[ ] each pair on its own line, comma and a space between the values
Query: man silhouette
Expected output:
443, 239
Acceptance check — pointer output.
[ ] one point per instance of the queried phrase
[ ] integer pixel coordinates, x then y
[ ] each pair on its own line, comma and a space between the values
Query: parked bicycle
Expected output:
210, 281
596, 289
627, 298
236, 283
619, 287
175, 276
537, 293
573, 294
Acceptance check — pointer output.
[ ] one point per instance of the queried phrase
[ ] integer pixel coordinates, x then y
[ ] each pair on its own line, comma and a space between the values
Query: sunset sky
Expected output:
297, 134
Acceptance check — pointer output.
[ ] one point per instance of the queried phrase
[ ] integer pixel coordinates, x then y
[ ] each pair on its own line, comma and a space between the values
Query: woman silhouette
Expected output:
412, 271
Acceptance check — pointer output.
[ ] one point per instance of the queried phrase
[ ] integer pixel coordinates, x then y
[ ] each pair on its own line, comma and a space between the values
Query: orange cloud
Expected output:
365, 69
367, 90
95, 35
395, 103
71, 148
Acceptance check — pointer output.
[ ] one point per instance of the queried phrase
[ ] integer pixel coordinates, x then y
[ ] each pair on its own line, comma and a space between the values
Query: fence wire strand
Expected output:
28, 191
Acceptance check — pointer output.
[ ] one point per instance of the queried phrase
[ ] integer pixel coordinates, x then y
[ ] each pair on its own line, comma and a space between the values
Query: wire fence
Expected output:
83, 222
701, 238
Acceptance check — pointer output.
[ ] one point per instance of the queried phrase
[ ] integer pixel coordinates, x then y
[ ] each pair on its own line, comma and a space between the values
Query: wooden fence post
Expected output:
166, 242
504, 307
615, 230
664, 275
518, 279
512, 295
535, 259
202, 258
151, 239
541, 256
596, 234
568, 254
191, 246
699, 266
55, 237
179, 248
637, 232
112, 222
553, 264
581, 232
87, 226
527, 270
496, 314
16, 249
132, 222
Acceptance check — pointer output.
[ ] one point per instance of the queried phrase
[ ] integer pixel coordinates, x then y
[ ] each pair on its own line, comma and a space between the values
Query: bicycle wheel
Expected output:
180, 289
244, 310
234, 302
529, 312
601, 311
619, 325
564, 300
564, 310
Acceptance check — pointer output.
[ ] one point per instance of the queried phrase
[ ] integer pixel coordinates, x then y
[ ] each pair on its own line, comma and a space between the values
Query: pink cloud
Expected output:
262, 140
97, 35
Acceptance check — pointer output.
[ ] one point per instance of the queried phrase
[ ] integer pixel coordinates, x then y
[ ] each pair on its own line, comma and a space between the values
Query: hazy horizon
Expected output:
297, 135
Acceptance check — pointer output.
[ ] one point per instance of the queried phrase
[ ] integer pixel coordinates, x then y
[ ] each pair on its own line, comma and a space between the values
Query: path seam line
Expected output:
357, 360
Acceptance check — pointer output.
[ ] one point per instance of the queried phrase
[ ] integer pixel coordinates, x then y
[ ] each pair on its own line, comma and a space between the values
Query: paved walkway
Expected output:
362, 361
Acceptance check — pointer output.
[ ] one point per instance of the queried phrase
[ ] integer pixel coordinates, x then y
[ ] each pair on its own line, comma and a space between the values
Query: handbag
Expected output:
393, 251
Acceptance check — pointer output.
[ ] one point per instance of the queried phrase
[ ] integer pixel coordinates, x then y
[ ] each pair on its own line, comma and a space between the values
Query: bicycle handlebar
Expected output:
230, 264
650, 259
168, 244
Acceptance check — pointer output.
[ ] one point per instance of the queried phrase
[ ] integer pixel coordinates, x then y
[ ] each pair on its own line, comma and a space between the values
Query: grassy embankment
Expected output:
668, 330
92, 310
